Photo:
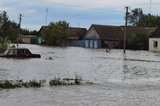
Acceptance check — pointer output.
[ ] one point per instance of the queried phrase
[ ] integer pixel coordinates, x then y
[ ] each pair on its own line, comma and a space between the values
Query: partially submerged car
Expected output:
19, 53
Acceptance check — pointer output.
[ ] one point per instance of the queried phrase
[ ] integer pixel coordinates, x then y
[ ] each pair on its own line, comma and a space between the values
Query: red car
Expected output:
19, 53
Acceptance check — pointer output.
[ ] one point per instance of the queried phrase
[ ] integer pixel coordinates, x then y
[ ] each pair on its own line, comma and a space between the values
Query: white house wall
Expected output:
92, 33
152, 46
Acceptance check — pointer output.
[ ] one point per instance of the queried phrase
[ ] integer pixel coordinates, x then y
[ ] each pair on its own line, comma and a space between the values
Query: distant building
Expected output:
39, 36
154, 41
29, 39
74, 39
102, 36
75, 36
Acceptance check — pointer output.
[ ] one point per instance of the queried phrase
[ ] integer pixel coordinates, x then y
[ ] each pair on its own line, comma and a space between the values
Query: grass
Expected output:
77, 80
11, 84
7, 84
56, 81
65, 81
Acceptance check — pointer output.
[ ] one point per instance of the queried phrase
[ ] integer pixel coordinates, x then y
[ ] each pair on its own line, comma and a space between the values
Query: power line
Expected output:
76, 6
37, 21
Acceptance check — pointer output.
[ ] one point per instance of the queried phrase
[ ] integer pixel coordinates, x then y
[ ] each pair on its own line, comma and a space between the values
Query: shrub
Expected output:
7, 84
3, 44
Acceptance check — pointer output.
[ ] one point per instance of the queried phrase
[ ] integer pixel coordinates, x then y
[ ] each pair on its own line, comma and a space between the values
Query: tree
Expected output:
24, 31
34, 32
136, 17
12, 31
3, 44
27, 32
56, 33
140, 39
8, 28
151, 21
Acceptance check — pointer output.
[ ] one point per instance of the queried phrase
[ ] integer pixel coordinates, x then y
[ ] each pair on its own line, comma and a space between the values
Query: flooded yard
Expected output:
119, 79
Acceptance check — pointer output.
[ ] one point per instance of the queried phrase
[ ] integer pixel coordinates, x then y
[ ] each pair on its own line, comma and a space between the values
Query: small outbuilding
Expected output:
154, 41
29, 39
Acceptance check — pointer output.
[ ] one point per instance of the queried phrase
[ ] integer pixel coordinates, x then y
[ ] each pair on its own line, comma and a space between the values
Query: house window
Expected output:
155, 44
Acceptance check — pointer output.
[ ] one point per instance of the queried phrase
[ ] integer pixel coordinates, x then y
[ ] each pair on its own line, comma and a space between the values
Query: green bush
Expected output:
8, 84
65, 81
3, 44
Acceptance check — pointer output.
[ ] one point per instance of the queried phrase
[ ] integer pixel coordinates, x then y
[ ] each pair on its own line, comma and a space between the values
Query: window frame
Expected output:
155, 44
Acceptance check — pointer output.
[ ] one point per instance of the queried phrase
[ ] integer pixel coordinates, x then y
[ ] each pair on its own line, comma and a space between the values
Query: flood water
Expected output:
131, 79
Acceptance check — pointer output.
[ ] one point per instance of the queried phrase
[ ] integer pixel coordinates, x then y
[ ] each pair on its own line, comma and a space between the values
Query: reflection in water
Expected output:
113, 74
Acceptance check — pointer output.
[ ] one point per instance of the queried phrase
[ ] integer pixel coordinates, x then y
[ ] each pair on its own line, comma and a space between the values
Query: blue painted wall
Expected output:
39, 40
91, 39
33, 41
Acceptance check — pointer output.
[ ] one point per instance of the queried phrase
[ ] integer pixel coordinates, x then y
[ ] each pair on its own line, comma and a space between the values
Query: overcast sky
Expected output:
79, 13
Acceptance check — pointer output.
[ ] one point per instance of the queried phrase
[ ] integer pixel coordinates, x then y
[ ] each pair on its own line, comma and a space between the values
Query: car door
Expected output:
21, 53
28, 53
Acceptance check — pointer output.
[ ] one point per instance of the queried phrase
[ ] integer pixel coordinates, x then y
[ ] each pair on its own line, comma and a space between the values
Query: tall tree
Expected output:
136, 17
12, 31
27, 32
34, 32
4, 24
151, 21
56, 33
7, 27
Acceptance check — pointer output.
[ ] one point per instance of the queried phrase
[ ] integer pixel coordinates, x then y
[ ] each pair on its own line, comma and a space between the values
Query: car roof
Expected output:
17, 48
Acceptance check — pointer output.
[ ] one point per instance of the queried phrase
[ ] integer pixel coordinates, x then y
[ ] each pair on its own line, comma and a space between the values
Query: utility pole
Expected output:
46, 16
125, 33
19, 30
150, 6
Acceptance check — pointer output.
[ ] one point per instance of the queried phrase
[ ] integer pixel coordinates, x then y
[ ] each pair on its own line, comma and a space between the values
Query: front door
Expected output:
87, 43
95, 44
91, 44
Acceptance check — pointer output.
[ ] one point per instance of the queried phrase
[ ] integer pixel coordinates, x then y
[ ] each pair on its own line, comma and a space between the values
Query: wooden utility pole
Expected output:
150, 6
46, 15
19, 30
125, 33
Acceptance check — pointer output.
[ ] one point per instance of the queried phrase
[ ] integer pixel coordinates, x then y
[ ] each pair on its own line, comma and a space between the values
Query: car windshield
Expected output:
6, 52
